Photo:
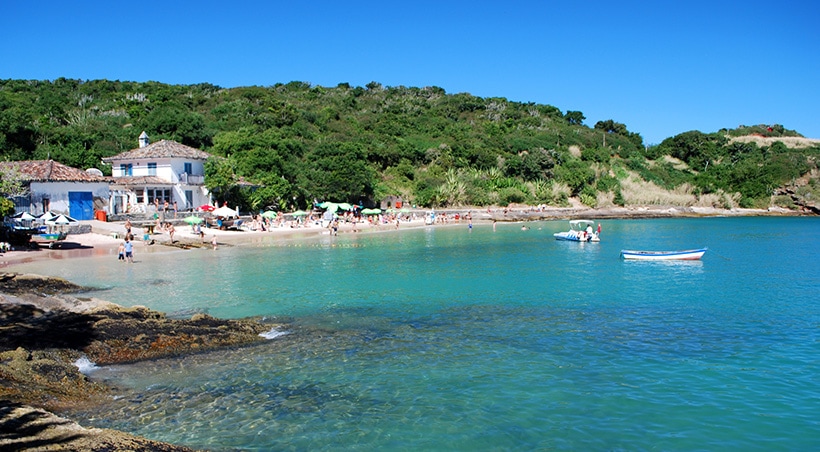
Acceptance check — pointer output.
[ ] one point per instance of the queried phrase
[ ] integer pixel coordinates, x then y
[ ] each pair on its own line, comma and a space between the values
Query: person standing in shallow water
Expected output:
129, 251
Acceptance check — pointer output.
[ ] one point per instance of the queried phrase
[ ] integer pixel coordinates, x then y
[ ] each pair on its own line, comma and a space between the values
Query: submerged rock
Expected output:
45, 332
24, 427
132, 334
15, 283
47, 379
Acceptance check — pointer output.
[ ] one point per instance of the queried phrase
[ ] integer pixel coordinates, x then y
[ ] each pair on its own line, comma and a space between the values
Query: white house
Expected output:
155, 173
59, 188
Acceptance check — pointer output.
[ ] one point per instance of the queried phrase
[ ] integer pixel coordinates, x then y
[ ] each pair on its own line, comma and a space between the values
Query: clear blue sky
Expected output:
660, 67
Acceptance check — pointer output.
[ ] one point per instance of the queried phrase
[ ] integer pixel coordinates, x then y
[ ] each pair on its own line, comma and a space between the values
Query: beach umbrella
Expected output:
269, 214
224, 211
329, 206
61, 220
46, 216
207, 208
25, 216
299, 213
192, 219
345, 206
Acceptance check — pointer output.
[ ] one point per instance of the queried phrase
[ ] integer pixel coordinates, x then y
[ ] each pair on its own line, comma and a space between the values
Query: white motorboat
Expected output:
579, 231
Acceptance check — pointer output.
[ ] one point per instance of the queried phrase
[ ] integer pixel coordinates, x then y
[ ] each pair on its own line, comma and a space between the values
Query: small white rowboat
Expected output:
686, 255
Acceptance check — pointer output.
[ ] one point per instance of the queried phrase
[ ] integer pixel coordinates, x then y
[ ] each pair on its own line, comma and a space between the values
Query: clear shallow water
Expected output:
445, 339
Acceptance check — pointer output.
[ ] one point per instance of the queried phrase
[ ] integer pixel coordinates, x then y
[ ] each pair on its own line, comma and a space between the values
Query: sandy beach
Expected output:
107, 236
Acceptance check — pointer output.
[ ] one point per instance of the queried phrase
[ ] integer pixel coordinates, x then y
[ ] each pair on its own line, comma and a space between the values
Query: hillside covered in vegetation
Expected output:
286, 145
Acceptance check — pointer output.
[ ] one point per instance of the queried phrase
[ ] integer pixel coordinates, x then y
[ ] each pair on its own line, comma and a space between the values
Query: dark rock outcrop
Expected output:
15, 283
44, 332
132, 334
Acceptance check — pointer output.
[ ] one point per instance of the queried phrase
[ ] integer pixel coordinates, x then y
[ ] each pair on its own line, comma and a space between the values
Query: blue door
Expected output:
81, 205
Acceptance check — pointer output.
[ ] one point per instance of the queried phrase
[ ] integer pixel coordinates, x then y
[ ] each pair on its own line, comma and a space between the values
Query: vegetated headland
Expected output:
287, 145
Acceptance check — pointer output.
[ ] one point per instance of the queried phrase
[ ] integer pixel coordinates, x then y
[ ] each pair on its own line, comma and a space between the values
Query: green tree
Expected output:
610, 126
575, 117
695, 148
220, 180
179, 124
338, 172
11, 185
274, 192
576, 174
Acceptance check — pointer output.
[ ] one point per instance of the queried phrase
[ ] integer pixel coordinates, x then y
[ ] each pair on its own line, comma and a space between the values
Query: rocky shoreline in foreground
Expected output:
45, 331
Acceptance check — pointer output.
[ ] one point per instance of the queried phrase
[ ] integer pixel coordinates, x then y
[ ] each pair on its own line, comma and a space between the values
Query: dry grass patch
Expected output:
790, 142
605, 199
636, 191
678, 164
561, 190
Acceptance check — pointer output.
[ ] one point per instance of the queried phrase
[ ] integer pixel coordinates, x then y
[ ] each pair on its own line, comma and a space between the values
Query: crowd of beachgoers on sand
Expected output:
176, 228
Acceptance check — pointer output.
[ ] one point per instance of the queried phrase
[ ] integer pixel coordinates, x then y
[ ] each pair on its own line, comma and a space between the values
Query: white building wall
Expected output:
200, 196
57, 194
167, 169
171, 170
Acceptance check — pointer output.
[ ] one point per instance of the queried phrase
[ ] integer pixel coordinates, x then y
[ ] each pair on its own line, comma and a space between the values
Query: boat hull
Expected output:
570, 237
50, 240
566, 236
683, 255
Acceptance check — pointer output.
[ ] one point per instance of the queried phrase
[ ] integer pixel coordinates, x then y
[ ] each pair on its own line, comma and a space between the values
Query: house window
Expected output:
140, 196
159, 194
126, 169
152, 168
186, 168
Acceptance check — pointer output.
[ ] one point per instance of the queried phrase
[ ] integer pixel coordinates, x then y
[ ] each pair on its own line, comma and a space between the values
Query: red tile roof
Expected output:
139, 180
161, 149
50, 171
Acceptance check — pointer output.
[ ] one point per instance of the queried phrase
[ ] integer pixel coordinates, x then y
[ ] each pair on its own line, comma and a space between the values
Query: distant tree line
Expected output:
290, 144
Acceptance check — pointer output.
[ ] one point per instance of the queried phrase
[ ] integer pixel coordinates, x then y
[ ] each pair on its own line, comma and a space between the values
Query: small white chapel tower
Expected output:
144, 141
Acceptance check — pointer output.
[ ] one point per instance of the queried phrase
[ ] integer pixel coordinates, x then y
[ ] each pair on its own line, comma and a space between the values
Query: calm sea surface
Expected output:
451, 339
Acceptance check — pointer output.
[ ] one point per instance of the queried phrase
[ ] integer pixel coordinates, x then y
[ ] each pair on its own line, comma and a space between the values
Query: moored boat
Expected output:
685, 255
50, 240
579, 231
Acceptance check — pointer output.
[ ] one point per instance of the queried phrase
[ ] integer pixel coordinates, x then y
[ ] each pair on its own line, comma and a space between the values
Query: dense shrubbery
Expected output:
297, 142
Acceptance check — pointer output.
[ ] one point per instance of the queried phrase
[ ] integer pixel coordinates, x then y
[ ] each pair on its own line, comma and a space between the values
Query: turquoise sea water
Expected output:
451, 339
